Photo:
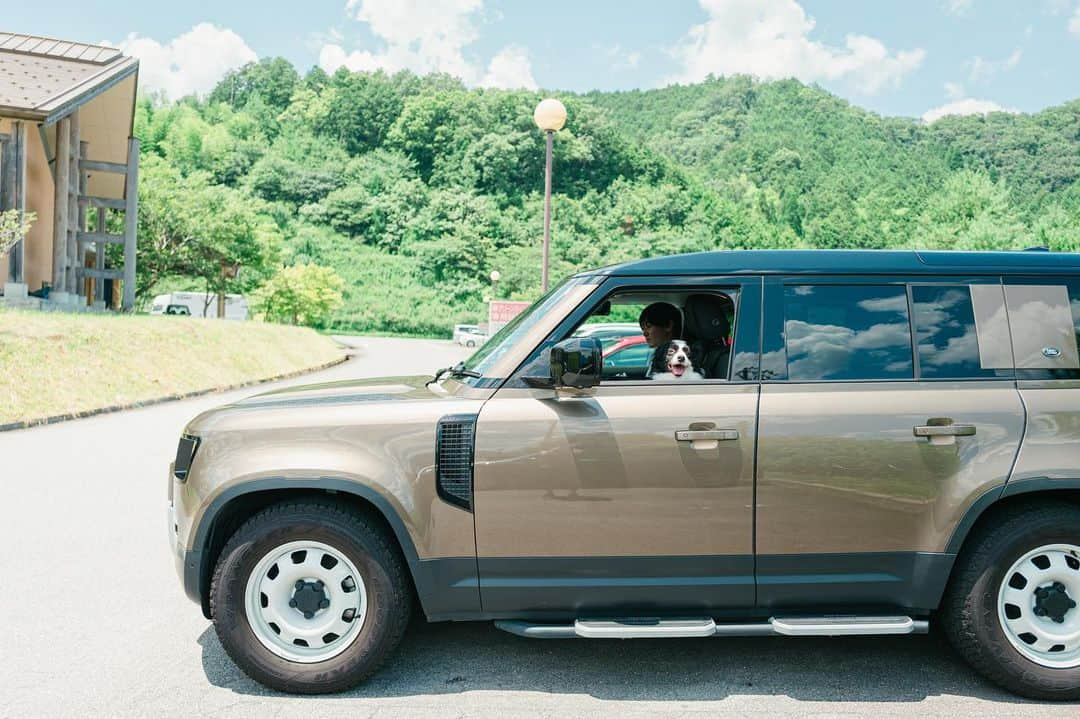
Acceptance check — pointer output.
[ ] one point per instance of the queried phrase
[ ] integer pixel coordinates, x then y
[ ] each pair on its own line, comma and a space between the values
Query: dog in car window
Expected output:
672, 362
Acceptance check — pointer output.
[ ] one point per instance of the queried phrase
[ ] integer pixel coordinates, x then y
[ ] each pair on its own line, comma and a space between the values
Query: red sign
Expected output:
502, 311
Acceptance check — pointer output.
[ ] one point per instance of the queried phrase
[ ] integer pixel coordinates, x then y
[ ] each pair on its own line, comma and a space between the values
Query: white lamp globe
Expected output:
550, 115
495, 276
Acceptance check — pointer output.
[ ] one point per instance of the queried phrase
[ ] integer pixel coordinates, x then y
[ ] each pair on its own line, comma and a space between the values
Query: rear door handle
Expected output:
690, 435
945, 430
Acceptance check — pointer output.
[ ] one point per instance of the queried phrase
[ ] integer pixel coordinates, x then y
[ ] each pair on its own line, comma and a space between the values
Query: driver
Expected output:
660, 322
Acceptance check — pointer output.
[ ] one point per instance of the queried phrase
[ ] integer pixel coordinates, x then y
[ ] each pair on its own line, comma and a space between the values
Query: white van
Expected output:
199, 304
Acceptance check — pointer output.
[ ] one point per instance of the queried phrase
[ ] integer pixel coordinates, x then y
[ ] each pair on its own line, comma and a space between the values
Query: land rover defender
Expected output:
861, 442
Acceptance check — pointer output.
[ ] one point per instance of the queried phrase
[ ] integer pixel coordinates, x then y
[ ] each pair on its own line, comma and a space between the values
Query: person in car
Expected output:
660, 323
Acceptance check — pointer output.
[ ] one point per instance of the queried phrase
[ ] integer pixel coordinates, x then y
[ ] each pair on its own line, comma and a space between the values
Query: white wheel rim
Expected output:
293, 571
1049, 643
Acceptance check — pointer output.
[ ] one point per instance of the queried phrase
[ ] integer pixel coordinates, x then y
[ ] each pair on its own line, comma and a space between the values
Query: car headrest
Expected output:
706, 317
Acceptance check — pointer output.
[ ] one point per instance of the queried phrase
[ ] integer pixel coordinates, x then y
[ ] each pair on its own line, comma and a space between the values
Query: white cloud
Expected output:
1074, 21
427, 37
983, 69
954, 90
770, 39
618, 58
510, 68
957, 7
980, 69
190, 63
965, 106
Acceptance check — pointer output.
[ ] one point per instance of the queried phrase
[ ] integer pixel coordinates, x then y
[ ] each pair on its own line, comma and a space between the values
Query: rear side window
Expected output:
1045, 317
947, 336
847, 332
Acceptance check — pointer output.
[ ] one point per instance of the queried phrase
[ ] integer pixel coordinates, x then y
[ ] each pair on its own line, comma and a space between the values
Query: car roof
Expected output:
829, 262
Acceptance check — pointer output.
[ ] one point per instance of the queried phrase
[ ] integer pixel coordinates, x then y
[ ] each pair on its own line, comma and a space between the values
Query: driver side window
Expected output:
663, 336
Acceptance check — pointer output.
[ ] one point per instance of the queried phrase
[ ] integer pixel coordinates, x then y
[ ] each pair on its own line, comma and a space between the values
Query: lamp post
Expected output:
549, 116
495, 277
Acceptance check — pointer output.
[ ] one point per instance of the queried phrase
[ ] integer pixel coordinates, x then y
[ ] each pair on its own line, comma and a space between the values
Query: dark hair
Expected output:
662, 314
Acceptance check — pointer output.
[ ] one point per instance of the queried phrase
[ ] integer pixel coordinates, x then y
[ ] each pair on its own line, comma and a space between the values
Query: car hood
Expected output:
333, 403
378, 389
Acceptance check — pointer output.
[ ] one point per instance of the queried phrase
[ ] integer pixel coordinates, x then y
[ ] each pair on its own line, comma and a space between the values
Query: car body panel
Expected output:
600, 475
840, 469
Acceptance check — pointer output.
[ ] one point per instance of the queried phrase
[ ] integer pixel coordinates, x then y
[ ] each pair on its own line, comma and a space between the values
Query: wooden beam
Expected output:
7, 173
99, 257
98, 166
131, 223
18, 254
102, 237
106, 202
60, 204
80, 223
114, 274
73, 206
7, 195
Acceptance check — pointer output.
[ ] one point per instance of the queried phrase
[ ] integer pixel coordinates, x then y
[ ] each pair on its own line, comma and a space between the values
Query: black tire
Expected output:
365, 544
970, 611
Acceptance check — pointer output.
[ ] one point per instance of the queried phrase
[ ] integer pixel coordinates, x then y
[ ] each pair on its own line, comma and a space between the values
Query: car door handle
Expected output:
945, 430
690, 435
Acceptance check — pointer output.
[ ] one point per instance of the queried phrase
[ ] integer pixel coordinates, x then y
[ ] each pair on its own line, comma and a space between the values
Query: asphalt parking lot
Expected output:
96, 623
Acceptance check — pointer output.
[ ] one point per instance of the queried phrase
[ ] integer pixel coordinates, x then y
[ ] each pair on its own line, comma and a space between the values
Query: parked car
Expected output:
199, 304
608, 332
472, 338
888, 442
627, 357
460, 330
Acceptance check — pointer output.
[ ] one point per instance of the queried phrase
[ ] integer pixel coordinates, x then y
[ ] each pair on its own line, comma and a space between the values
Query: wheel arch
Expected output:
1009, 498
236, 504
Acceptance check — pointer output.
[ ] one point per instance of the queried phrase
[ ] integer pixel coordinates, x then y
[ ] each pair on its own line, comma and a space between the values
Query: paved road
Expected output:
93, 621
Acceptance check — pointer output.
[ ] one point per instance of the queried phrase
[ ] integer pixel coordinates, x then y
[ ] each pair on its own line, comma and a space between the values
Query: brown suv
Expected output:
844, 442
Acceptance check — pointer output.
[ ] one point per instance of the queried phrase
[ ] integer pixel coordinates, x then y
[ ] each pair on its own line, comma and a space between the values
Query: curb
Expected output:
56, 418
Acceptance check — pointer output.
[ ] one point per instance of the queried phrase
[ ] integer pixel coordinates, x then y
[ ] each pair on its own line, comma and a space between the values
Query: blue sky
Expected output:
917, 58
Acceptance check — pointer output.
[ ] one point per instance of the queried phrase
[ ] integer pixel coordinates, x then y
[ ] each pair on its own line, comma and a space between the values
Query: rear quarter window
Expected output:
1044, 313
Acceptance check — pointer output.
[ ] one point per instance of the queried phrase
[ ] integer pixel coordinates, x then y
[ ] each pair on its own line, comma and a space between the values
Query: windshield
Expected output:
518, 328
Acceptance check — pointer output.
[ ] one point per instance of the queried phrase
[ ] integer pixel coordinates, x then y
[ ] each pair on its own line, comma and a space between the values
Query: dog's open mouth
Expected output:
677, 369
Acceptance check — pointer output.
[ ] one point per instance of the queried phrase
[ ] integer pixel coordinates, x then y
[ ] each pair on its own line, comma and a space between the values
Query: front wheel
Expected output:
309, 597
1012, 606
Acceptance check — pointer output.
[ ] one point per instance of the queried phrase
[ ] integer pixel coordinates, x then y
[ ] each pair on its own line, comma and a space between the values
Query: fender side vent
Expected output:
454, 459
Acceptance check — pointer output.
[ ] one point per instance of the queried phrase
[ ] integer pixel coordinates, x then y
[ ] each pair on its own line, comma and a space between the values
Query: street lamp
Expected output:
549, 116
495, 277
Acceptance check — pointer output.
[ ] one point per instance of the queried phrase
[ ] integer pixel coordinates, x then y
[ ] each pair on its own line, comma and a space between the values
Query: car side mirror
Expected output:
576, 362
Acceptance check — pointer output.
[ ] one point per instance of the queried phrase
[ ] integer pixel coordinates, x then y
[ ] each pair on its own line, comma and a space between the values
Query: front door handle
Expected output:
691, 435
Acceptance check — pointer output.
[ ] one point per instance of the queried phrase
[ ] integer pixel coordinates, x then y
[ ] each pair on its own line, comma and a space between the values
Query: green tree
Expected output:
301, 295
272, 79
191, 228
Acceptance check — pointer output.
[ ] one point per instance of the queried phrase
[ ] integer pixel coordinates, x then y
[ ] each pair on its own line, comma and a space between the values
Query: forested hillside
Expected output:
414, 189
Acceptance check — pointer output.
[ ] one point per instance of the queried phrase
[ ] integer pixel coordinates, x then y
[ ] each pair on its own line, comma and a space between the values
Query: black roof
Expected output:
829, 262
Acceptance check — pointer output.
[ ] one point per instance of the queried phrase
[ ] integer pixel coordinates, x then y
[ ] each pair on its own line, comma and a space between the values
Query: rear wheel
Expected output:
309, 597
1012, 606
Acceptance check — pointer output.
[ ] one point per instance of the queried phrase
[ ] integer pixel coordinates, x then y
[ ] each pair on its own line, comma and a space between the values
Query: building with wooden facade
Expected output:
67, 154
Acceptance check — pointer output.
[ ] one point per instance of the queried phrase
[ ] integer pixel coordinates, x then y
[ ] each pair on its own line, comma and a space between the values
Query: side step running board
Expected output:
652, 628
844, 626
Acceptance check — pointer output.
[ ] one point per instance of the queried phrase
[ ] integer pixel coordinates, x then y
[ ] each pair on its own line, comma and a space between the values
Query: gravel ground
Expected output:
98, 625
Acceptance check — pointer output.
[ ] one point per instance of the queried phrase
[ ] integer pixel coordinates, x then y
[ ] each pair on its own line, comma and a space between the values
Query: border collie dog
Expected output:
672, 362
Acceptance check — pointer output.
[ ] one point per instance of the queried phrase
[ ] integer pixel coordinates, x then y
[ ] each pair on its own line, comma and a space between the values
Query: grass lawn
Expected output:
57, 364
